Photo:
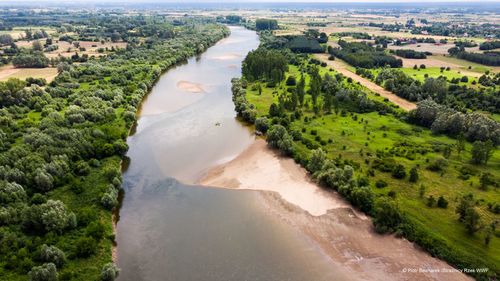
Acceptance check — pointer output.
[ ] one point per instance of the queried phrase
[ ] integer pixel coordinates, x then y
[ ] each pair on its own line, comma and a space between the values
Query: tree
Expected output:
37, 46
399, 172
317, 160
109, 272
115, 37
431, 201
52, 254
45, 272
278, 137
472, 220
85, 247
266, 24
481, 152
413, 174
262, 124
462, 207
363, 198
442, 202
387, 216
6, 39
49, 216
460, 145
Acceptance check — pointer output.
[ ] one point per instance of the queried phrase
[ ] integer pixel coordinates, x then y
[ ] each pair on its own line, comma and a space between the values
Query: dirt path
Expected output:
341, 67
339, 231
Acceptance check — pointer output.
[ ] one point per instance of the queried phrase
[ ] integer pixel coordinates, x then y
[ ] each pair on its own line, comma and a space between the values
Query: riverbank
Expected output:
344, 234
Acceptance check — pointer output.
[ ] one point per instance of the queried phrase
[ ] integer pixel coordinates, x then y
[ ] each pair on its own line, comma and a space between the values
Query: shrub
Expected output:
85, 247
109, 272
52, 254
399, 172
380, 184
262, 124
413, 174
45, 272
278, 137
442, 202
317, 160
387, 216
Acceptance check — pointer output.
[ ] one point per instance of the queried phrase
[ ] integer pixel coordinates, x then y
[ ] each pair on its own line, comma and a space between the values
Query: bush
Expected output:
317, 160
291, 81
45, 272
52, 254
262, 124
278, 137
380, 184
85, 247
387, 216
442, 203
109, 272
399, 172
413, 174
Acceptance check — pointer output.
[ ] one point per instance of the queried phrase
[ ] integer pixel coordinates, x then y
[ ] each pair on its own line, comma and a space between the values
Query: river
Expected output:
171, 229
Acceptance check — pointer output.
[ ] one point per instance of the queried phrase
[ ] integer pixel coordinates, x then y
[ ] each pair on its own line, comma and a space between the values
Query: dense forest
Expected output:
339, 133
61, 144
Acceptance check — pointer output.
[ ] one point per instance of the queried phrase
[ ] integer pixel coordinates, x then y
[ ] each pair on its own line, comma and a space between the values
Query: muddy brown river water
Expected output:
170, 229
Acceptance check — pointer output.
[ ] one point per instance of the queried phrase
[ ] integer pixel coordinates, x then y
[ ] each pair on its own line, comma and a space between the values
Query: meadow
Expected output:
357, 138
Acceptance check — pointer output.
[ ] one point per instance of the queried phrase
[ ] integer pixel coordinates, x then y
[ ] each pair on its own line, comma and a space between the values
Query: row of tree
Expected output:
360, 54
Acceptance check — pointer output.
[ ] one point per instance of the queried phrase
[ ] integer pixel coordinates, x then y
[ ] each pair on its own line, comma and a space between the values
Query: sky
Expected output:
248, 1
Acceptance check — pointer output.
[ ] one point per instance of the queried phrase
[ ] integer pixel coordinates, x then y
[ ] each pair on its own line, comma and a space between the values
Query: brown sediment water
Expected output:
169, 228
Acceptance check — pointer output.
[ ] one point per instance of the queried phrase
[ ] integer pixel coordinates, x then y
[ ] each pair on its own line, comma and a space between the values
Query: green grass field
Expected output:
358, 137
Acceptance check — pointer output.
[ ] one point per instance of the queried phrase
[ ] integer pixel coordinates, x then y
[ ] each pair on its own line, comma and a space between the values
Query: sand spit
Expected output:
342, 233
226, 57
190, 87
258, 168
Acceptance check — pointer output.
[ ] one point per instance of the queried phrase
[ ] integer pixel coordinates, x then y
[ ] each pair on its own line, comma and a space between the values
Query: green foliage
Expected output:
481, 152
399, 172
362, 55
413, 174
265, 64
262, 124
266, 24
109, 272
45, 272
278, 137
52, 254
61, 144
303, 44
387, 216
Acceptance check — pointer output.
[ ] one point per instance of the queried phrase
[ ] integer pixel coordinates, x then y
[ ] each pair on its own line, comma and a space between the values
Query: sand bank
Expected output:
190, 87
343, 234
259, 168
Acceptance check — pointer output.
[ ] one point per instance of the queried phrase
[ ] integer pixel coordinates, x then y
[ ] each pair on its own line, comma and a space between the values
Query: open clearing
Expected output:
9, 71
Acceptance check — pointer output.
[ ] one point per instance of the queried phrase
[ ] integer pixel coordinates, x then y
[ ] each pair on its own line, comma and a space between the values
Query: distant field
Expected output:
9, 71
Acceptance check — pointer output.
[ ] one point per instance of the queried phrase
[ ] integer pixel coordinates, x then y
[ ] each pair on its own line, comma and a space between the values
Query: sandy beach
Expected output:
345, 235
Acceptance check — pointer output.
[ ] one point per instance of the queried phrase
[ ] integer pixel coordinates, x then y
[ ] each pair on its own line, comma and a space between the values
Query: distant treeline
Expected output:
302, 44
411, 54
486, 58
360, 54
489, 45
231, 19
266, 24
